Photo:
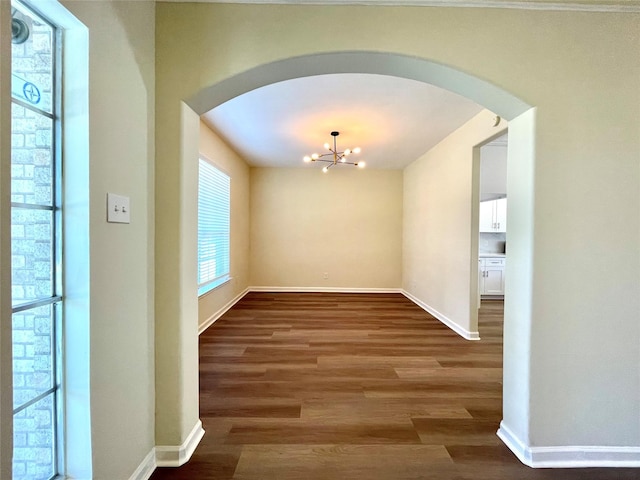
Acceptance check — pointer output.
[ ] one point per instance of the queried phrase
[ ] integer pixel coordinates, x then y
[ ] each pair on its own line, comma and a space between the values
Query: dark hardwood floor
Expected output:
353, 386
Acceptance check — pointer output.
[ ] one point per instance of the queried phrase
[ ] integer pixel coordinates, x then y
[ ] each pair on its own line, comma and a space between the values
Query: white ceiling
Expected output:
394, 120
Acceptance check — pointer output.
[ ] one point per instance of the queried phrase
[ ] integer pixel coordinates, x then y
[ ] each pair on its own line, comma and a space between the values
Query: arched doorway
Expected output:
522, 120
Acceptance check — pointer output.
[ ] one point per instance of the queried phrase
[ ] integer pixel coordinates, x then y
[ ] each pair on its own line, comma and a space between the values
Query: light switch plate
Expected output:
118, 209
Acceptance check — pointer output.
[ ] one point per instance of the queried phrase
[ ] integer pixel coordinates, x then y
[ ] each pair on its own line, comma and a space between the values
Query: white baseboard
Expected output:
174, 456
323, 290
570, 456
146, 468
514, 444
211, 320
443, 318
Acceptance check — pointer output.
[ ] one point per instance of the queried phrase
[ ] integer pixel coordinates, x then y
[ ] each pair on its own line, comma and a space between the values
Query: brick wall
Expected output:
32, 255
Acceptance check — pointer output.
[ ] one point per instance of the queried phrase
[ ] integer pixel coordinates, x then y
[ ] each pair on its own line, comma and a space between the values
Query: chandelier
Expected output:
334, 157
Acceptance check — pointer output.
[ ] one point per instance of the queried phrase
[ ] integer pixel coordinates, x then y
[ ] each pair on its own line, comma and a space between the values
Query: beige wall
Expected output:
439, 243
572, 314
346, 223
214, 149
585, 262
519, 275
121, 292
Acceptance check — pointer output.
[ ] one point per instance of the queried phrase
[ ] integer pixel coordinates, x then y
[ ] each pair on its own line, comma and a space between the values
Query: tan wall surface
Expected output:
346, 223
579, 297
121, 106
437, 226
519, 273
212, 147
581, 72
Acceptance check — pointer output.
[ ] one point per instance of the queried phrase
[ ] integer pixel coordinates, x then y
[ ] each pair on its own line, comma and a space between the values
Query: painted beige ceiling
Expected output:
394, 120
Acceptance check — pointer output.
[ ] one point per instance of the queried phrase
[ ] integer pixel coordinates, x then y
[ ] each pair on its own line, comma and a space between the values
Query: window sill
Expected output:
205, 289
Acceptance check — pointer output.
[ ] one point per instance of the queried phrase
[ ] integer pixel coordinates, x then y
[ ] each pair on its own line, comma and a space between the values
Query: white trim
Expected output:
146, 468
511, 5
585, 456
324, 290
570, 456
174, 456
211, 320
443, 318
514, 444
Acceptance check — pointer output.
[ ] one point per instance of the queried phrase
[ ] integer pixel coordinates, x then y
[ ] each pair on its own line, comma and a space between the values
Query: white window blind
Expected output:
214, 189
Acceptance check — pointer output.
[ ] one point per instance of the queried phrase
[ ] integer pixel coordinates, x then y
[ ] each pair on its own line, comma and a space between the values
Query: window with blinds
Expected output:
214, 191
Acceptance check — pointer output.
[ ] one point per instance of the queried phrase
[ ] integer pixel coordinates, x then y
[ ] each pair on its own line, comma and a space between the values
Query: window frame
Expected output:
55, 300
225, 277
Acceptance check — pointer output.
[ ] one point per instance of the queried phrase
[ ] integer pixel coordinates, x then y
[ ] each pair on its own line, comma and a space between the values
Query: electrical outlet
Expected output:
325, 275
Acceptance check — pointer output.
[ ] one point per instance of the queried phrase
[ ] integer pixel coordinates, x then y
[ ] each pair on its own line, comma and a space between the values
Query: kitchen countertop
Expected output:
491, 255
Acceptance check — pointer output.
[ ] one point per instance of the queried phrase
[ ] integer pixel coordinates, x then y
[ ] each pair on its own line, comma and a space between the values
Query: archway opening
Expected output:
521, 117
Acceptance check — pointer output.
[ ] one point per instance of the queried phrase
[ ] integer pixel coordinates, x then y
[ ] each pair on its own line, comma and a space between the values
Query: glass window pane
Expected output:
33, 441
34, 166
32, 60
31, 157
31, 254
32, 353
214, 188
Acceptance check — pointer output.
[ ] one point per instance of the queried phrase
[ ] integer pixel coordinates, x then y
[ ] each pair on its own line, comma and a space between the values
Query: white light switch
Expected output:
118, 209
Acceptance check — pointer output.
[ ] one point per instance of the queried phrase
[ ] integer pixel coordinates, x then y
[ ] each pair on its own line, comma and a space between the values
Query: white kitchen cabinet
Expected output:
493, 215
491, 276
501, 214
486, 216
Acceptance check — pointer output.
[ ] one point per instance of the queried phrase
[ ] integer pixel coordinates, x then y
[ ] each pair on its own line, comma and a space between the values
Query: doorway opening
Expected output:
521, 119
492, 219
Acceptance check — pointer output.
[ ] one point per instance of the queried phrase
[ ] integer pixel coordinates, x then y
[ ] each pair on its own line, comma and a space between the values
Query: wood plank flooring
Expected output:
353, 386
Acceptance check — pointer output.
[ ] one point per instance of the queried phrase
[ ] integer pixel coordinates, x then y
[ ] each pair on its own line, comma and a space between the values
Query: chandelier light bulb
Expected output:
325, 169
314, 156
307, 159
357, 150
360, 164
327, 146
343, 159
347, 152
